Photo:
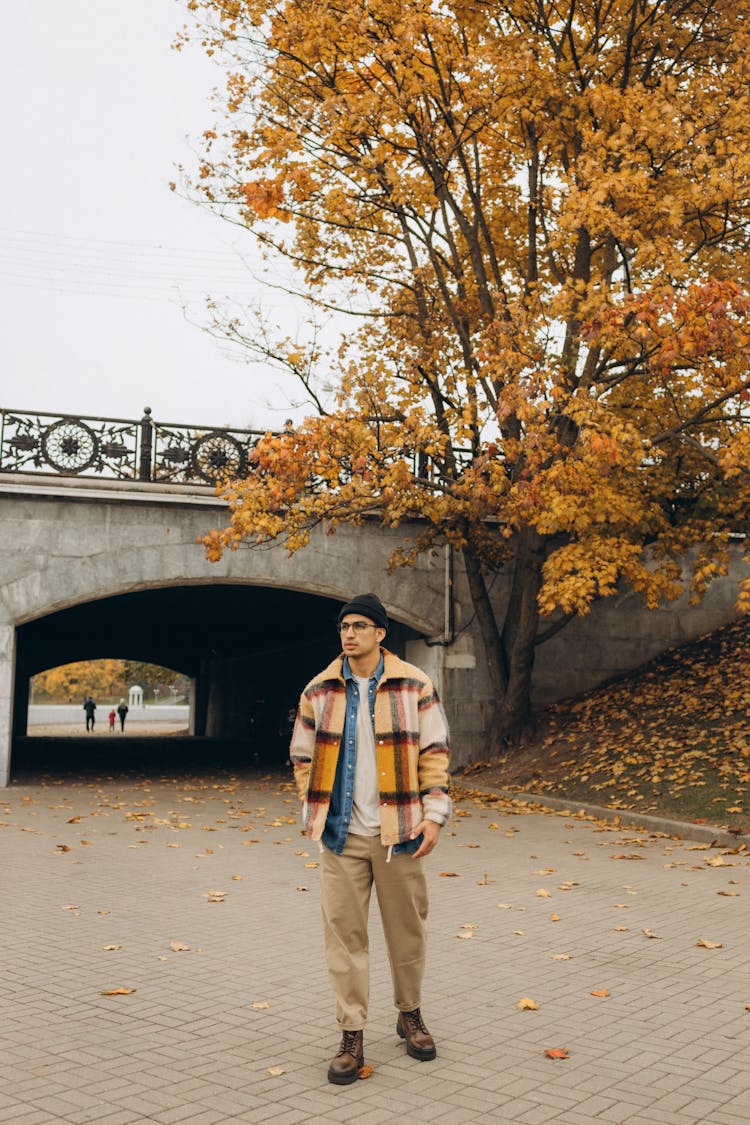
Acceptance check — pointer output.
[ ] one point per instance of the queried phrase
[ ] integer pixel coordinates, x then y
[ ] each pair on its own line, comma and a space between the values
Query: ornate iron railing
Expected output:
115, 448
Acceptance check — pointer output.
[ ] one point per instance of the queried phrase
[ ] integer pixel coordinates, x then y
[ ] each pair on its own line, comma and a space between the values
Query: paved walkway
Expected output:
200, 899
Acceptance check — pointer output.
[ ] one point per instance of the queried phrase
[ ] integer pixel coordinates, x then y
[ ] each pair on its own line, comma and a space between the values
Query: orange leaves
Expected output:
561, 355
265, 198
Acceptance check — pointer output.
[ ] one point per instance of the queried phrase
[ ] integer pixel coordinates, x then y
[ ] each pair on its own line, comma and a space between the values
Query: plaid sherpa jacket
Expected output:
411, 743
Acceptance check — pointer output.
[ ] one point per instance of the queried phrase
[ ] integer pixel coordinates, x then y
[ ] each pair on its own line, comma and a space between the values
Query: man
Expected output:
370, 755
122, 711
89, 707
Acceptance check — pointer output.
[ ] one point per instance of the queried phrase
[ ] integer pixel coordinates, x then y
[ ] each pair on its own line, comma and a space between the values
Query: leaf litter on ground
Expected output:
670, 739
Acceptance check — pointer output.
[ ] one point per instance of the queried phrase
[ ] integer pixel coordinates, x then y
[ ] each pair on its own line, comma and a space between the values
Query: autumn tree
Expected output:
105, 679
71, 683
151, 676
538, 212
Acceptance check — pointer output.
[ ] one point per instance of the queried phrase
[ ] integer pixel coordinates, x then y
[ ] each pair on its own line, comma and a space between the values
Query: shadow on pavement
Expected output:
81, 756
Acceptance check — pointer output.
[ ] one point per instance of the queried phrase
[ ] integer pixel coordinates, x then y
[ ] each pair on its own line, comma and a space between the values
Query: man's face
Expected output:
360, 637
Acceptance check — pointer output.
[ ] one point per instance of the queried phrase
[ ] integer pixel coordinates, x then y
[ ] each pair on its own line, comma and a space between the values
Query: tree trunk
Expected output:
509, 652
520, 631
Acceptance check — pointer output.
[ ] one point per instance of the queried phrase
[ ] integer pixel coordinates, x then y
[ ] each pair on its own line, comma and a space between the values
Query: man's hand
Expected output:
431, 832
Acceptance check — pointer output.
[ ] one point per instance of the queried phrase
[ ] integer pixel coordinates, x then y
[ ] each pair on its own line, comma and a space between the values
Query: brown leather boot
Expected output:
419, 1043
344, 1066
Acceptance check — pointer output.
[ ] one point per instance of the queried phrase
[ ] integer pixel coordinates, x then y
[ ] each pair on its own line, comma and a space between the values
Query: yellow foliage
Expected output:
71, 683
541, 211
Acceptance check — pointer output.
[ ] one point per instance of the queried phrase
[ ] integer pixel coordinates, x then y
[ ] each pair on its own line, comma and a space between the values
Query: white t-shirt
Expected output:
365, 818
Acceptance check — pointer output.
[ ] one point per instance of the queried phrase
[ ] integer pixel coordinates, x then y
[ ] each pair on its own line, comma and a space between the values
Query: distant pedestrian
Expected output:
112, 719
89, 707
122, 711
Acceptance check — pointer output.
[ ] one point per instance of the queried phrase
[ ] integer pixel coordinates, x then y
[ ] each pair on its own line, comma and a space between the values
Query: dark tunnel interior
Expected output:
249, 650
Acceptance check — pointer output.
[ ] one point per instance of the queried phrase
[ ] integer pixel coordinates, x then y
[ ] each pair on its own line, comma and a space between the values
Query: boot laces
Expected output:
349, 1043
414, 1021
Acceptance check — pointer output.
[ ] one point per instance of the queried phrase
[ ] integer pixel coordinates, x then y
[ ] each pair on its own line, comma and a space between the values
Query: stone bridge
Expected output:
93, 567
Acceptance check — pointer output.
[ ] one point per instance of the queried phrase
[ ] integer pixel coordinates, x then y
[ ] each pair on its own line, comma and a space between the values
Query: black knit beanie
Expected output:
370, 606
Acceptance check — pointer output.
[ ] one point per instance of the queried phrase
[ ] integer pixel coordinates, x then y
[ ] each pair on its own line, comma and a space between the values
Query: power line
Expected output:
104, 245
80, 265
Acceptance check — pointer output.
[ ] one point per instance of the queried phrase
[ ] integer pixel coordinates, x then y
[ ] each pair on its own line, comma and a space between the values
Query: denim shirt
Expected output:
342, 794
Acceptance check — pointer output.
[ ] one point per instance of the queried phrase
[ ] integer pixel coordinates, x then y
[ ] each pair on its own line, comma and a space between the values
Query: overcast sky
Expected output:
96, 254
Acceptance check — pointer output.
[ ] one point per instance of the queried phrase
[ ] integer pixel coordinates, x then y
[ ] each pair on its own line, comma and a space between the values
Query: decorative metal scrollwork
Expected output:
117, 449
216, 456
176, 454
70, 446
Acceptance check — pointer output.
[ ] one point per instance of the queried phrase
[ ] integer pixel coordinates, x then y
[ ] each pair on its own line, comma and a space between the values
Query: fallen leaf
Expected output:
260, 1004
651, 934
601, 992
215, 896
365, 1072
449, 874
709, 944
464, 937
63, 848
557, 1052
627, 857
560, 956
178, 947
276, 1071
542, 893
118, 991
526, 1004
312, 865
729, 894
302, 888
111, 948
554, 917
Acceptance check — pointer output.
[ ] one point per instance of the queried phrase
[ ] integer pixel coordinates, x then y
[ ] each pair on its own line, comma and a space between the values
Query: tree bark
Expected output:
509, 652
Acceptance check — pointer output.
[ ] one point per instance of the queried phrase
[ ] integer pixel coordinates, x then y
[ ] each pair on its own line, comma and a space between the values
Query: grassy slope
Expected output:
672, 738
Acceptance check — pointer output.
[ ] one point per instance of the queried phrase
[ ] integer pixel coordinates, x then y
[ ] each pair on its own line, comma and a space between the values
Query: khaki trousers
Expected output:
346, 884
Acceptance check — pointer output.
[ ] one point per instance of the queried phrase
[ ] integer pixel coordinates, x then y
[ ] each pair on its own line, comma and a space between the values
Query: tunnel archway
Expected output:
248, 650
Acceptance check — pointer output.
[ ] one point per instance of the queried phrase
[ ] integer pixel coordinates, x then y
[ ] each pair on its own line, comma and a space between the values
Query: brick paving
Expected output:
104, 880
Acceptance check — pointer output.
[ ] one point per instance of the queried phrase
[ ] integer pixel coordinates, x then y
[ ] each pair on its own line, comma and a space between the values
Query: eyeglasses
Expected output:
357, 626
